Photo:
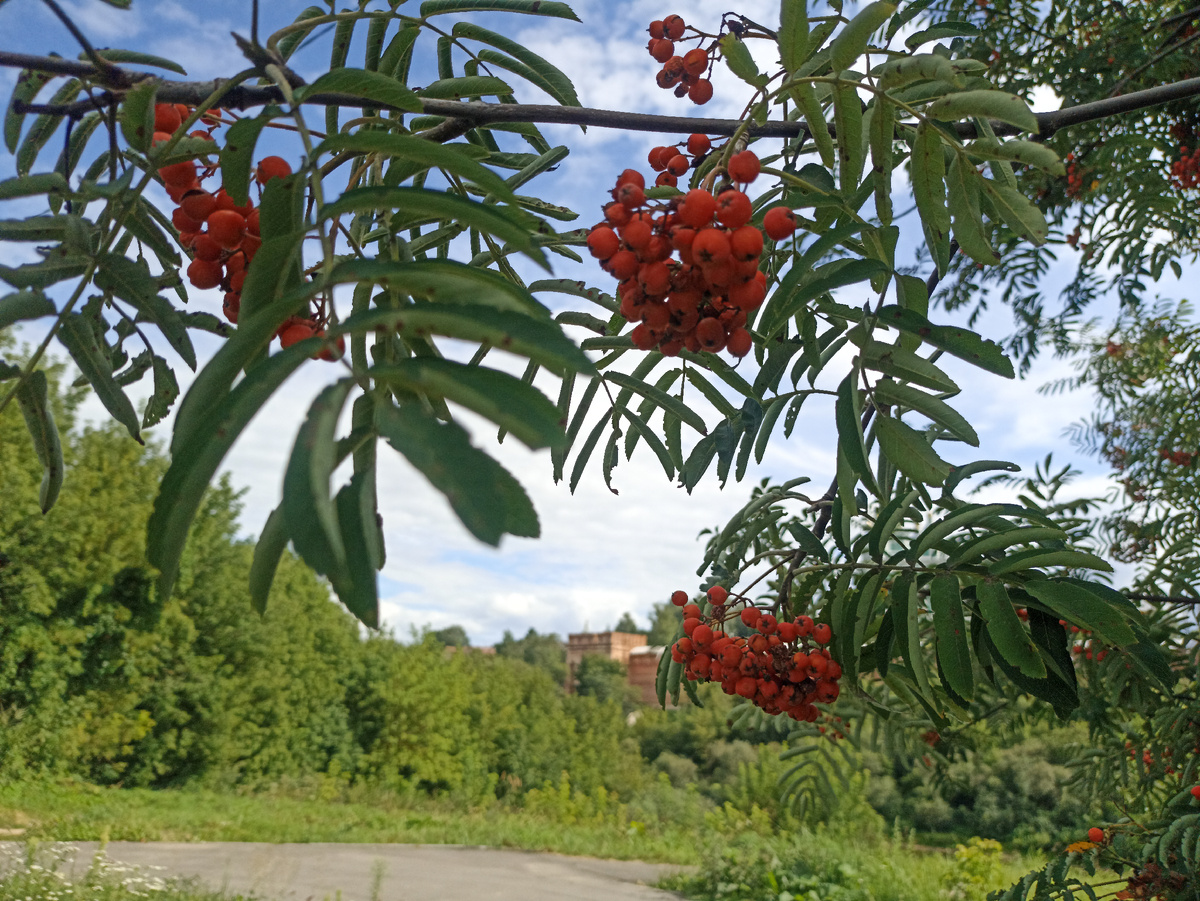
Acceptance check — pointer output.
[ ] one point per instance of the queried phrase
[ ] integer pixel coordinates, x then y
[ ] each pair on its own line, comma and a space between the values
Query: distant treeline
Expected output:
101, 681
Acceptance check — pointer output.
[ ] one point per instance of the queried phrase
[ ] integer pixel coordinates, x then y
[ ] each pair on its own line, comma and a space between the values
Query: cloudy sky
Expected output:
600, 554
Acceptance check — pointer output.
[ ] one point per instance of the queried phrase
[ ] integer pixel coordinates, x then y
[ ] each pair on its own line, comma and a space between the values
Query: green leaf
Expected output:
737, 56
965, 516
486, 498
819, 281
1028, 153
194, 462
546, 76
373, 86
444, 282
267, 552
937, 410
529, 7
466, 86
542, 342
166, 391
668, 402
39, 419
415, 206
953, 651
906, 70
1006, 631
962, 343
964, 184
1081, 607
814, 117
852, 41
847, 416
237, 156
938, 32
308, 507
1018, 211
24, 305
31, 185
905, 366
426, 154
47, 272
882, 137
504, 399
906, 585
29, 85
910, 451
137, 58
44, 127
986, 105
92, 358
1039, 557
927, 172
136, 116
848, 121
357, 517
990, 544
793, 33
132, 282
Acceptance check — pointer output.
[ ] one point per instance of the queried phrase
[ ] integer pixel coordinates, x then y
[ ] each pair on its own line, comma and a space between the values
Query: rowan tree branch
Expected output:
475, 113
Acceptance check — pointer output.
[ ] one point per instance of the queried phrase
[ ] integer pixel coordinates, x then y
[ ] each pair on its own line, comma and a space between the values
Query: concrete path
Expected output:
389, 872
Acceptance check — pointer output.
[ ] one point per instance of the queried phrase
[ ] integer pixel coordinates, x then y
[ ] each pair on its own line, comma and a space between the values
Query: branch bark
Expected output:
474, 113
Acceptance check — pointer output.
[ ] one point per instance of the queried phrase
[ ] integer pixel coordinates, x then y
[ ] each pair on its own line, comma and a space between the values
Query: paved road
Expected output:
299, 872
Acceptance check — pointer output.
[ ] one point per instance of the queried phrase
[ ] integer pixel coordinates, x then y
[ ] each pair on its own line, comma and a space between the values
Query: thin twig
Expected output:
97, 60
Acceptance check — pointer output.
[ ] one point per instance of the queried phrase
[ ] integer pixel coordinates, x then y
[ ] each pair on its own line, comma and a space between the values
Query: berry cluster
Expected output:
1075, 175
699, 301
683, 73
671, 163
222, 236
780, 668
1178, 457
1185, 171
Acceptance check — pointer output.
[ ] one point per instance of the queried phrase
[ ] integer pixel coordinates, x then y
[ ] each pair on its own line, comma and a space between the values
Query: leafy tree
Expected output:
544, 651
628, 624
451, 636
933, 605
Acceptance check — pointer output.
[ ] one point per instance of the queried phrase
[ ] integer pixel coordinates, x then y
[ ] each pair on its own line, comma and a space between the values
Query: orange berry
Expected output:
673, 26
679, 598
695, 62
698, 144
272, 167
740, 342
1096, 834
717, 594
603, 242
701, 92
204, 274
227, 228
295, 332
744, 167
166, 118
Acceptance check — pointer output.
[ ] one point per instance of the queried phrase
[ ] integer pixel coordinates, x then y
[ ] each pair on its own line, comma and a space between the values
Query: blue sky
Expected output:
600, 554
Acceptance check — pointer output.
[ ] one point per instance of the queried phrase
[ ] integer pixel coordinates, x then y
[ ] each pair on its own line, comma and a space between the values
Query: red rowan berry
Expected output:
717, 594
205, 248
630, 195
227, 228
673, 26
204, 274
198, 205
711, 245
698, 144
695, 61
739, 344
678, 164
697, 208
751, 616
166, 118
679, 598
662, 50
623, 264
746, 243
744, 167
733, 209
749, 295
779, 223
295, 332
180, 175
232, 306
603, 242
711, 334
252, 222
702, 635
1096, 834
656, 29
1196, 792
272, 167
701, 92
666, 179
185, 223
331, 353
822, 633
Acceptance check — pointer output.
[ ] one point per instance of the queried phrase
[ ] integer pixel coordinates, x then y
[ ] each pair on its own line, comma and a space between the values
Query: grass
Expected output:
89, 813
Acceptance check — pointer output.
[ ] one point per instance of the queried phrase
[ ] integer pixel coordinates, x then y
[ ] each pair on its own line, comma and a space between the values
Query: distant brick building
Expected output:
639, 659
